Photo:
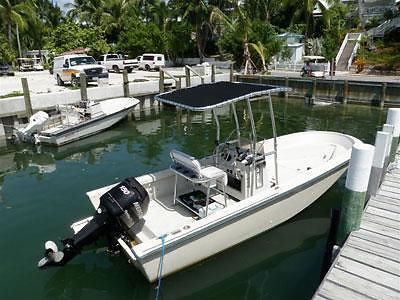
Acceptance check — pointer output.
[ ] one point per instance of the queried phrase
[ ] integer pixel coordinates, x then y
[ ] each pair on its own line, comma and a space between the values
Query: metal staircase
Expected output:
384, 28
347, 51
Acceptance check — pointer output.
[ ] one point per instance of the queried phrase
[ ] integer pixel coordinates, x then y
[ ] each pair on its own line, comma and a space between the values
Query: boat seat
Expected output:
190, 168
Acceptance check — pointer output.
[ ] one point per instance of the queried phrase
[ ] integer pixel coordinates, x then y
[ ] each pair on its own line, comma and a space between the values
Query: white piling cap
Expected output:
389, 129
359, 167
393, 118
381, 145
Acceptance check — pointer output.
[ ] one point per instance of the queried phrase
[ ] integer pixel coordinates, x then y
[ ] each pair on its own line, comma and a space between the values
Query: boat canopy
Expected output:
213, 95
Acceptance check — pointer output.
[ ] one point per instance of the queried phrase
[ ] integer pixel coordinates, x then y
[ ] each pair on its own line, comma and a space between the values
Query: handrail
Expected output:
195, 73
344, 43
170, 75
354, 52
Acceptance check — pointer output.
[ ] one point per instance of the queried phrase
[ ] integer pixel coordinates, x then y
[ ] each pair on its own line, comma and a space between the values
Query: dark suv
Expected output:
5, 70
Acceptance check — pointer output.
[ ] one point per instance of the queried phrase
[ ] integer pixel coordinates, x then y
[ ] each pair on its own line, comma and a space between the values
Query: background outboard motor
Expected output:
121, 210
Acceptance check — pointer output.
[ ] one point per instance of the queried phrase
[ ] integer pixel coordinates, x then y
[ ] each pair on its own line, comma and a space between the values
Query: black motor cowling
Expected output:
121, 210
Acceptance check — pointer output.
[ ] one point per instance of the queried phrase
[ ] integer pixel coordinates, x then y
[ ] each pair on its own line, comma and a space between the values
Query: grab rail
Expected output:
195, 73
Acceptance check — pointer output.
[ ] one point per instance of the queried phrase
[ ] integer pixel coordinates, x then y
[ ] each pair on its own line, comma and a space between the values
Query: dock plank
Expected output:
367, 272
389, 194
384, 199
386, 206
380, 216
332, 290
384, 230
372, 247
372, 260
360, 286
377, 238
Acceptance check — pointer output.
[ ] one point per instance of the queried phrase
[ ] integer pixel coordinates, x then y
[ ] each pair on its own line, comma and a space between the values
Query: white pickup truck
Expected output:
117, 63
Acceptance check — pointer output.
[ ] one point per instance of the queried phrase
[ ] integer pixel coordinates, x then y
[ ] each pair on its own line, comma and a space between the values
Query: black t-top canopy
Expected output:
211, 95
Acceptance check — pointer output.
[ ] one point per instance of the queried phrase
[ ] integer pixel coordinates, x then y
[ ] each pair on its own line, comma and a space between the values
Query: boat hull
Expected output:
84, 130
215, 239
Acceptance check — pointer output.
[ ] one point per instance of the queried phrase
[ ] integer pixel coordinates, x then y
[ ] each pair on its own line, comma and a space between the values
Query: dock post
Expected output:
378, 163
125, 82
161, 81
356, 187
83, 84
388, 129
286, 85
383, 95
187, 73
2, 132
27, 97
179, 83
213, 69
345, 91
393, 118
314, 91
231, 72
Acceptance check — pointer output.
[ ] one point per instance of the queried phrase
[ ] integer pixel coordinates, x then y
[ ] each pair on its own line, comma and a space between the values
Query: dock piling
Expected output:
125, 83
27, 97
388, 129
287, 86
356, 187
83, 85
231, 72
161, 81
187, 73
314, 91
213, 71
383, 95
345, 91
378, 163
393, 118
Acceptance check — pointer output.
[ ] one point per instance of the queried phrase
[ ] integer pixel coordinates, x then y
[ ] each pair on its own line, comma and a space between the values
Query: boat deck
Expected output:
368, 266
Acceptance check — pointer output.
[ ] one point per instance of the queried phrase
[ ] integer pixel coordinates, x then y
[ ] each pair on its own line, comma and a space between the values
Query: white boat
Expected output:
74, 122
177, 217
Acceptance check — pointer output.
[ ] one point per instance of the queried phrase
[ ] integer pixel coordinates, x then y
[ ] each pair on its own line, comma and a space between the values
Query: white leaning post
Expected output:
388, 129
356, 187
393, 118
378, 163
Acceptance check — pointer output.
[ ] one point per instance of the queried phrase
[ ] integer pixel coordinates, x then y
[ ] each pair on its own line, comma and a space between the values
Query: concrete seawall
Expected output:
344, 91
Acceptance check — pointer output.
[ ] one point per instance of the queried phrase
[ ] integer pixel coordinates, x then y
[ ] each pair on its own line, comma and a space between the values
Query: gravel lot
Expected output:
43, 82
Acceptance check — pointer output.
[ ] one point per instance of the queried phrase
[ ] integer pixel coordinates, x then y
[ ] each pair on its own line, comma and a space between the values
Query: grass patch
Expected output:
12, 94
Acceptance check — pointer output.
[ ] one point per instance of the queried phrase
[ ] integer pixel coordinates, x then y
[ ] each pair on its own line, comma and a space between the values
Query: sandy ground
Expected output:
43, 82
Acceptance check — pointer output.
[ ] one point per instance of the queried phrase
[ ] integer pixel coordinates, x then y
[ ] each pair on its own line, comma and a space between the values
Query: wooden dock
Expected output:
368, 265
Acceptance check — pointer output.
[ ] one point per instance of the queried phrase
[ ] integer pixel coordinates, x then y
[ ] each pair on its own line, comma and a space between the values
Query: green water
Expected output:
42, 191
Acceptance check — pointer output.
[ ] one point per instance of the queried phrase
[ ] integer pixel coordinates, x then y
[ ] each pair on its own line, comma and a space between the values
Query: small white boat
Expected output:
177, 217
74, 122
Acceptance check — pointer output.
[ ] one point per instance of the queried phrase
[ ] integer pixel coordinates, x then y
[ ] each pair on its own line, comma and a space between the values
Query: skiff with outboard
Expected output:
169, 220
74, 122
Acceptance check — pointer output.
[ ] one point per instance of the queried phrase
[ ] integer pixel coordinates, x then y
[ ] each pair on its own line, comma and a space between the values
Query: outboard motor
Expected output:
36, 122
121, 210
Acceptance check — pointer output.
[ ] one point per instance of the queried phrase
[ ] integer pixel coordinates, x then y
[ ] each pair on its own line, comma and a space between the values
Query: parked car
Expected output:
37, 64
314, 66
151, 61
25, 64
116, 62
70, 67
5, 70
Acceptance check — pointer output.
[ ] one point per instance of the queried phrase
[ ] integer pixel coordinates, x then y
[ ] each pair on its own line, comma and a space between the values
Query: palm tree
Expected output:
87, 12
113, 15
239, 23
197, 13
15, 13
303, 13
